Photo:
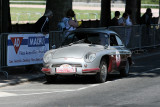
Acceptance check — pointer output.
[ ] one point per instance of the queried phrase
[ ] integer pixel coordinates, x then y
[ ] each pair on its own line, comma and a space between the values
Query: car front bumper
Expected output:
79, 65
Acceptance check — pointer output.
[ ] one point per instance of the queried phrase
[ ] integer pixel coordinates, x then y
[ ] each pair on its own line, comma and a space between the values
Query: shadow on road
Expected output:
81, 79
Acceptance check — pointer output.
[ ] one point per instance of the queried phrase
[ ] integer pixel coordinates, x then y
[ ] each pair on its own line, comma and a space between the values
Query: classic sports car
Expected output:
88, 51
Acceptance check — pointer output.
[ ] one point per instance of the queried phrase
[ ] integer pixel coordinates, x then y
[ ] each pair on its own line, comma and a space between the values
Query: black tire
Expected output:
125, 72
102, 75
50, 78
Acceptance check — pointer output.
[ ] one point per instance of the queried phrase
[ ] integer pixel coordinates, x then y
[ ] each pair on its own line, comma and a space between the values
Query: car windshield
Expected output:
90, 38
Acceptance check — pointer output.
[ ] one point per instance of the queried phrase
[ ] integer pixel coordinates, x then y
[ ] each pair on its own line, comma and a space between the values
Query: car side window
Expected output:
120, 43
103, 39
113, 40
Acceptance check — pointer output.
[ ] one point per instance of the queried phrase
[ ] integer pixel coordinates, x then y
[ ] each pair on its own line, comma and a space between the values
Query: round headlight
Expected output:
47, 57
90, 57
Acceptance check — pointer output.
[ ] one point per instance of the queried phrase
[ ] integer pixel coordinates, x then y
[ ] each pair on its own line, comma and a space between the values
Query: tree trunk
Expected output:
0, 16
59, 8
5, 19
159, 8
135, 7
105, 13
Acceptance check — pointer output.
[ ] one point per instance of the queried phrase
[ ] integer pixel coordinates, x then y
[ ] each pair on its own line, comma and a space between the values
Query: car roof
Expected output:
95, 30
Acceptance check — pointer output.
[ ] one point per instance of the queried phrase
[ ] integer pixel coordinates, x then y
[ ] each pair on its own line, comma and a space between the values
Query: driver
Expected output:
103, 39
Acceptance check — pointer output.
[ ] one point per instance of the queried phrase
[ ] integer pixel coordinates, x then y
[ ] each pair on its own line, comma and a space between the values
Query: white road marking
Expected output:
83, 88
26, 90
4, 93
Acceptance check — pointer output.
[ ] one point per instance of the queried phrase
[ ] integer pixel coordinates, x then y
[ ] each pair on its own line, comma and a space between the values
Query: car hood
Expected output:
76, 50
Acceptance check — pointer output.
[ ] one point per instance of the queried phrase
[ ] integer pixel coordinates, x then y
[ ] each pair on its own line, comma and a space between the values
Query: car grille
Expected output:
73, 65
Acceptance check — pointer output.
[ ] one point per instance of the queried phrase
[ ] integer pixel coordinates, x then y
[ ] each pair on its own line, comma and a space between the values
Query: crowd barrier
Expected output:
141, 36
21, 49
56, 38
3, 53
135, 37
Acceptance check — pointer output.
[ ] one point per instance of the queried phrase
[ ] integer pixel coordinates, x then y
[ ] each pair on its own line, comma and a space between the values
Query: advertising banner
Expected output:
26, 49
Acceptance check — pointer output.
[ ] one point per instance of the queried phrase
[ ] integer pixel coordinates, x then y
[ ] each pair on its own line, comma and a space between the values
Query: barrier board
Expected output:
26, 49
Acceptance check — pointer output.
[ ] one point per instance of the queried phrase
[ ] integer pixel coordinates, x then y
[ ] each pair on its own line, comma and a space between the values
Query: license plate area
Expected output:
65, 68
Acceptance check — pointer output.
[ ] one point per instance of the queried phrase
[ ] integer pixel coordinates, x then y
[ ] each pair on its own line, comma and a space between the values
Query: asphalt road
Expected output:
140, 89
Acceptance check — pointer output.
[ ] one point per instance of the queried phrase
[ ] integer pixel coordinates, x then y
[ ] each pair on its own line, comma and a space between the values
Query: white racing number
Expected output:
118, 58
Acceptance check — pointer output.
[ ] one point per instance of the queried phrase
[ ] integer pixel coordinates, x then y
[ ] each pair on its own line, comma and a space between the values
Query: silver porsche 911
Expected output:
88, 51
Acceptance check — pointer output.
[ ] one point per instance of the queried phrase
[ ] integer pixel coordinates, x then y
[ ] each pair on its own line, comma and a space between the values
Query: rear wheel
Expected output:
102, 75
50, 78
125, 72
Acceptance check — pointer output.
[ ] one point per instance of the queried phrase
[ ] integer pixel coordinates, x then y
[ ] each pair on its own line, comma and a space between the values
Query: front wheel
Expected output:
102, 75
125, 72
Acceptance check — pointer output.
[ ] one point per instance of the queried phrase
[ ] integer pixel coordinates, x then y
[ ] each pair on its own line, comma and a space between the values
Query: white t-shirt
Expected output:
128, 22
68, 27
121, 21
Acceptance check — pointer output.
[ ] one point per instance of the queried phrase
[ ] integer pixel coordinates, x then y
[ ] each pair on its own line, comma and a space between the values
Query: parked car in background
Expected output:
88, 51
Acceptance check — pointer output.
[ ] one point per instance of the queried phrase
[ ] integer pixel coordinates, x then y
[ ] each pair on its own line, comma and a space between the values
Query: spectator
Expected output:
42, 25
128, 29
114, 21
129, 19
122, 20
147, 17
70, 24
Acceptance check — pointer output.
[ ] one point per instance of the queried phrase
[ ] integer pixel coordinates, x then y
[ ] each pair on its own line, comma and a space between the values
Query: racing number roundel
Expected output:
118, 58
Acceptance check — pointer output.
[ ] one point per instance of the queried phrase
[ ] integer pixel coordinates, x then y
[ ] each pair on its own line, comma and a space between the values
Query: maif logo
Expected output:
16, 43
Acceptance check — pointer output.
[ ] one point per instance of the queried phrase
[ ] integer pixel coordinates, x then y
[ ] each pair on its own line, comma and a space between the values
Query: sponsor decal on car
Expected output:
65, 68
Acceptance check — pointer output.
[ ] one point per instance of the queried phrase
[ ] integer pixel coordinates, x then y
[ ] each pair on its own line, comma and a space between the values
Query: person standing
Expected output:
114, 21
146, 20
70, 24
129, 19
128, 28
42, 25
147, 17
122, 20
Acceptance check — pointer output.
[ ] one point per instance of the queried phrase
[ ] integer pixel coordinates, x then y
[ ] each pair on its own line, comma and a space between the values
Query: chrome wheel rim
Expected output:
103, 72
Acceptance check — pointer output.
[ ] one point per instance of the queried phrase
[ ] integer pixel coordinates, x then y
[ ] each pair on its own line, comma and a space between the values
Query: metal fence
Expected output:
56, 38
130, 35
139, 36
134, 37
3, 53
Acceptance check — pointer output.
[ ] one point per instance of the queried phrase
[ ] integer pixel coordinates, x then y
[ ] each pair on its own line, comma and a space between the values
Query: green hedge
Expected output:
150, 1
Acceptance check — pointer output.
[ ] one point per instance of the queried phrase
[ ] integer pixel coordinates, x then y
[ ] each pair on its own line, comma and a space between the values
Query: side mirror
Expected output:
53, 46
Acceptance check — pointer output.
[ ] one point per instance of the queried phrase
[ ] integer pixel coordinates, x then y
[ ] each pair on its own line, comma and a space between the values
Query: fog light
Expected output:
85, 65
